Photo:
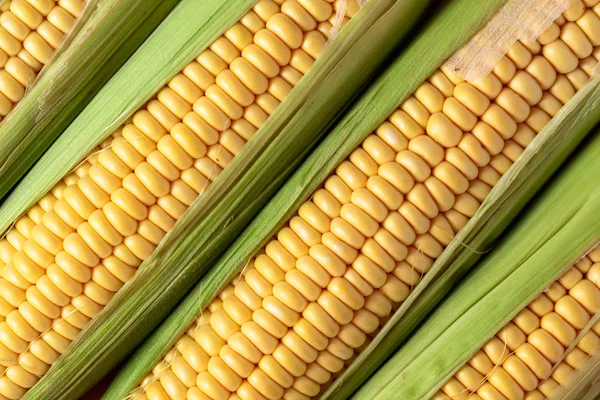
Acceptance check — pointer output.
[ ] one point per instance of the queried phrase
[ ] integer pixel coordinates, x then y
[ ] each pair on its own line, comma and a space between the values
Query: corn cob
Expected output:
302, 280
92, 52
552, 235
213, 221
526, 359
30, 33
81, 242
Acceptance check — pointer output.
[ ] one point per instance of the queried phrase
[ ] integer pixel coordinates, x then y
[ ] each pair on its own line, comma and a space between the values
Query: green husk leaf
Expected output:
399, 80
230, 203
558, 228
108, 33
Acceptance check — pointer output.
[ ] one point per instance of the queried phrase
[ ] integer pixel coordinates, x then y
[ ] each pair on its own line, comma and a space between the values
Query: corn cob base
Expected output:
67, 257
30, 33
526, 359
310, 301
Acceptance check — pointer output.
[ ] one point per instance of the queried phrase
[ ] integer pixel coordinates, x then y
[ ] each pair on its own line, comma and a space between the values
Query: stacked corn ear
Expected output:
315, 295
543, 344
557, 140
93, 51
213, 221
65, 259
31, 31
522, 318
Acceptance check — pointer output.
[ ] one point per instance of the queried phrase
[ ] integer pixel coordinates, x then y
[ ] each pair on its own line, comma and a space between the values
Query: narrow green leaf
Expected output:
109, 32
231, 202
550, 235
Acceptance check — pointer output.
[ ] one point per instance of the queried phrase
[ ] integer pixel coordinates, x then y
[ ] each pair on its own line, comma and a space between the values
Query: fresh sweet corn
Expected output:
526, 359
68, 256
30, 33
314, 296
